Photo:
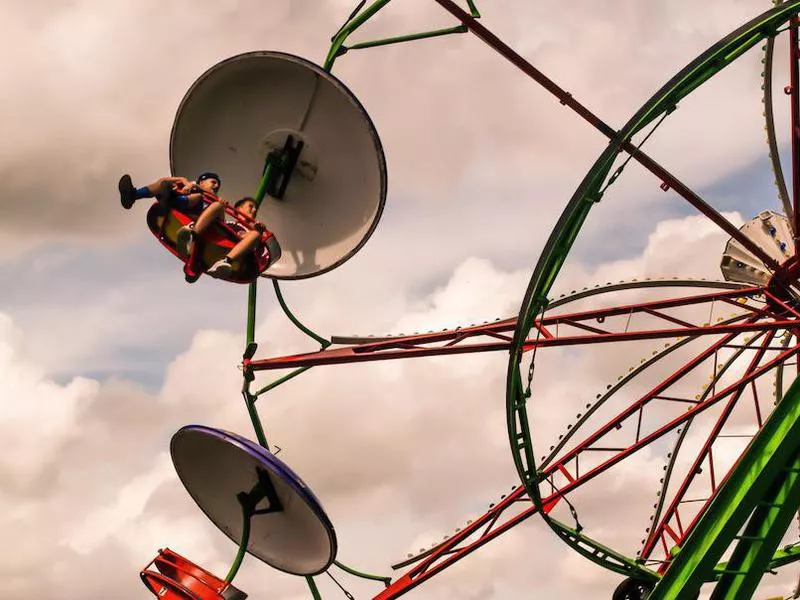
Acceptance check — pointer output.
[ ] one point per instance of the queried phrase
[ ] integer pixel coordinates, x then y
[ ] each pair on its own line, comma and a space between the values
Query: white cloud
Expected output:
481, 162
399, 452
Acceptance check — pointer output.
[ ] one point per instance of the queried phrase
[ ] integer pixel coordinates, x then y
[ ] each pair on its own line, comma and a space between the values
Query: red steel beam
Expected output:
408, 348
418, 345
650, 543
566, 99
448, 552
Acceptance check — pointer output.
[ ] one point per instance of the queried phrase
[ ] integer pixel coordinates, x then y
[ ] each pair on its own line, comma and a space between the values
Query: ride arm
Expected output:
359, 17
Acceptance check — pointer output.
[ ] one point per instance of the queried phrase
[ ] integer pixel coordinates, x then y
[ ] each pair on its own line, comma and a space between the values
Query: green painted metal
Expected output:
772, 139
783, 557
337, 42
595, 551
323, 342
237, 562
252, 293
263, 184
250, 403
408, 38
250, 333
283, 379
749, 483
763, 534
348, 28
709, 63
313, 587
249, 399
352, 571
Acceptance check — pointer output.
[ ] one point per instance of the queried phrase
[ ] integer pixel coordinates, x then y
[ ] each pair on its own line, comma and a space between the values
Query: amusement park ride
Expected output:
289, 132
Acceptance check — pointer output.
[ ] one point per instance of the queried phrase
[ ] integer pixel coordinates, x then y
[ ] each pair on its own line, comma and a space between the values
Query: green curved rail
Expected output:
708, 64
772, 139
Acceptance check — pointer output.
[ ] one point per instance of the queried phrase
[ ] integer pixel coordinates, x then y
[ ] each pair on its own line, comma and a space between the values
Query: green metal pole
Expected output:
278, 382
262, 185
313, 587
348, 28
409, 38
237, 562
346, 569
323, 342
249, 399
250, 403
251, 312
747, 487
761, 537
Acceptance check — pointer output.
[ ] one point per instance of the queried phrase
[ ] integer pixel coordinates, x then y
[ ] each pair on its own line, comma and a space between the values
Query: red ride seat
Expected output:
218, 240
177, 578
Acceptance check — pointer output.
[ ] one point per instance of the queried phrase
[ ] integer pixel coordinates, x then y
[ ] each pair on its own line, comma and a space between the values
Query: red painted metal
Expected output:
177, 578
449, 552
452, 341
218, 240
705, 452
788, 310
759, 420
647, 398
493, 523
655, 334
410, 347
566, 99
165, 588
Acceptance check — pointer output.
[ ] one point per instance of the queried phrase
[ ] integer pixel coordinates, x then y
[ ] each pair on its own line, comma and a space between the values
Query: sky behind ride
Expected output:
105, 351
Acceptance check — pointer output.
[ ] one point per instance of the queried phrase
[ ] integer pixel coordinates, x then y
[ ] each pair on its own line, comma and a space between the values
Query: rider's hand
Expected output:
185, 186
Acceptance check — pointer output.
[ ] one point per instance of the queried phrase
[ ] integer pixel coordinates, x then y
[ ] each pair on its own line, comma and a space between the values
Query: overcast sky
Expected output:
105, 351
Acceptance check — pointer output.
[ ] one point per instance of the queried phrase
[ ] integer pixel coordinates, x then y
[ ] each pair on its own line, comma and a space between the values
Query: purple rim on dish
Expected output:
216, 465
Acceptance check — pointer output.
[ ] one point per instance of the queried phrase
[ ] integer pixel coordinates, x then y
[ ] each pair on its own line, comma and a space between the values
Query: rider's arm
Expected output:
182, 185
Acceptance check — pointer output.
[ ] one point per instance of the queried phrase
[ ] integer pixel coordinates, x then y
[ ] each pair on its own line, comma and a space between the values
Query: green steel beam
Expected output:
312, 586
382, 578
357, 21
263, 184
761, 537
785, 556
280, 381
278, 294
748, 484
411, 37
597, 552
243, 543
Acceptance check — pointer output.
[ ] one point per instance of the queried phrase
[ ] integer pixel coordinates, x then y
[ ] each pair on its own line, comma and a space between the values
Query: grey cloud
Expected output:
96, 93
394, 451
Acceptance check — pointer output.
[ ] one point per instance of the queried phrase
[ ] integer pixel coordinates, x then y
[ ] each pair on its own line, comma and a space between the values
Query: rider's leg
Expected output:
223, 266
160, 189
247, 243
213, 212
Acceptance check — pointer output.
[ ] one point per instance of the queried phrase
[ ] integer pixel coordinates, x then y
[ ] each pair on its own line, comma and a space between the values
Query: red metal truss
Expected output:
507, 513
550, 330
496, 521
679, 533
